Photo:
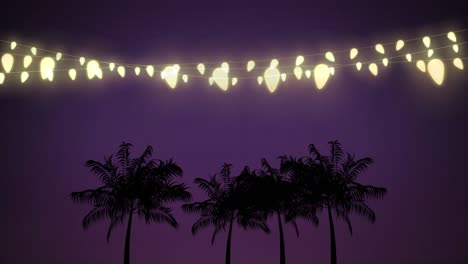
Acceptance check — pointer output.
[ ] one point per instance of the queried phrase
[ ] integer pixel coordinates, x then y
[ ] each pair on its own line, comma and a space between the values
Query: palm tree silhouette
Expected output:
306, 192
274, 195
332, 185
227, 202
141, 186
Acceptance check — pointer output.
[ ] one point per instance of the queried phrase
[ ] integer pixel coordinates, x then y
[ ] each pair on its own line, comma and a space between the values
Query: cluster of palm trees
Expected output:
299, 188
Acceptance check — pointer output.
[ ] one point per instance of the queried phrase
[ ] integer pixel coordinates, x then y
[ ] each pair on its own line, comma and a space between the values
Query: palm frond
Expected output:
161, 214
167, 170
225, 174
207, 186
254, 225
296, 228
106, 172
287, 163
92, 197
336, 154
364, 192
364, 210
95, 215
213, 237
204, 207
174, 192
114, 223
315, 153
353, 168
123, 154
348, 223
312, 217
202, 223
147, 153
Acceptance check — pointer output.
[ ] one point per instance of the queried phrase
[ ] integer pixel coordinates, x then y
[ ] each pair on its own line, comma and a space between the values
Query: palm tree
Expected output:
226, 204
274, 195
141, 186
336, 188
305, 190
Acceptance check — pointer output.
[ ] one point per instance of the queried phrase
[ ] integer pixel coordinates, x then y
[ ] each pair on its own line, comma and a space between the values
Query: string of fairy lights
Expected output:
430, 54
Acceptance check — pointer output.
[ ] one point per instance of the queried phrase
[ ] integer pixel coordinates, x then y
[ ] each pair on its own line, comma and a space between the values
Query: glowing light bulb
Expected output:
321, 75
201, 68
220, 76
58, 56
272, 78
298, 72
7, 62
82, 61
24, 77
234, 81
455, 48
458, 63
430, 53
185, 78
299, 60
436, 70
274, 63
2, 77
408, 57
452, 36
27, 61
358, 66
211, 81
13, 45
308, 73
137, 71
380, 49
47, 66
421, 65
283, 77
250, 65
353, 53
72, 74
332, 70
259, 80
329, 56
225, 67
385, 62
121, 71
111, 66
170, 75
150, 70
399, 45
33, 51
93, 70
427, 42
373, 69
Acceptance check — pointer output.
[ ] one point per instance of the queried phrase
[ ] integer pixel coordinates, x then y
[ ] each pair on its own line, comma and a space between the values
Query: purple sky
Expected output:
415, 131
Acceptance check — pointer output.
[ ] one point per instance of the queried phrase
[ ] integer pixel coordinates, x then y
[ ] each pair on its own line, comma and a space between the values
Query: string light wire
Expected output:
271, 74
335, 65
76, 58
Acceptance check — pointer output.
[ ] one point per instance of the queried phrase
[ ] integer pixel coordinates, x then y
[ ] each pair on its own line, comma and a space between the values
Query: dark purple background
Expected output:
416, 132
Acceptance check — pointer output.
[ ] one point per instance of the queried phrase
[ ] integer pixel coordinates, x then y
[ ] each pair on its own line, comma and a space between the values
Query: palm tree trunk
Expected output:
228, 245
127, 240
332, 237
282, 250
